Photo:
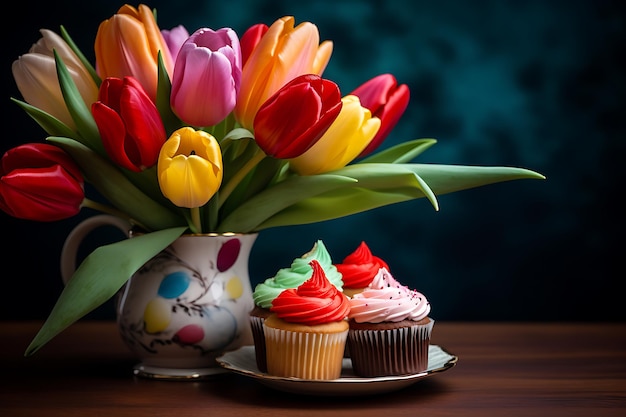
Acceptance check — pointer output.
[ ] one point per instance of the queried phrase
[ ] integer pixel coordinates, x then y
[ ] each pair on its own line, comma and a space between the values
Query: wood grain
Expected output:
504, 369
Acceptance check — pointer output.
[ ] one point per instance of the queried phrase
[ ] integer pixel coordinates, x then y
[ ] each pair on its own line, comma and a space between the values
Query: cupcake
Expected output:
305, 335
389, 329
358, 269
265, 292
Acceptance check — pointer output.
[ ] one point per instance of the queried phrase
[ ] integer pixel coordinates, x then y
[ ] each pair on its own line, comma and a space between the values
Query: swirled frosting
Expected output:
386, 300
316, 301
299, 271
359, 268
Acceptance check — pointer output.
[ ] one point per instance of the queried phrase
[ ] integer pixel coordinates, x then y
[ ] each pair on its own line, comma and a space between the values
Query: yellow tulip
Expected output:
283, 53
36, 77
128, 44
344, 140
190, 167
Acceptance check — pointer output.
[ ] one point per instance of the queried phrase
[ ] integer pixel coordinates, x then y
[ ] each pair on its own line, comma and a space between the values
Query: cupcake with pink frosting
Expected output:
389, 329
358, 269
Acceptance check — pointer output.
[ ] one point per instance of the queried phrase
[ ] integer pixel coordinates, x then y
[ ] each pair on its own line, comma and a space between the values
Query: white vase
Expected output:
186, 306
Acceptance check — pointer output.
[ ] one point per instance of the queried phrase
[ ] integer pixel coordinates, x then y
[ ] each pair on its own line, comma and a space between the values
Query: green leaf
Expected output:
236, 144
117, 189
255, 182
249, 215
80, 112
164, 91
81, 56
49, 123
97, 279
402, 153
148, 182
223, 128
239, 133
235, 158
384, 184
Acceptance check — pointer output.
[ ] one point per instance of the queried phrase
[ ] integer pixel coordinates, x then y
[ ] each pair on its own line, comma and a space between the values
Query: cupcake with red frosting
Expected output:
265, 292
389, 329
359, 268
305, 334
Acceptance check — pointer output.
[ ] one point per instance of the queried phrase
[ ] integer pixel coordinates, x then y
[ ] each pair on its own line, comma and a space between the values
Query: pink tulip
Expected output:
207, 76
174, 39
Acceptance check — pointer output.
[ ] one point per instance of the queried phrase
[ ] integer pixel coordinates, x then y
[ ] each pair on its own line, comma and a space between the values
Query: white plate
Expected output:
243, 361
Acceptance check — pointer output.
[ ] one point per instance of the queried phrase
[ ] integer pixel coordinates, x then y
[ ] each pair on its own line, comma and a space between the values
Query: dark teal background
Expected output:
534, 84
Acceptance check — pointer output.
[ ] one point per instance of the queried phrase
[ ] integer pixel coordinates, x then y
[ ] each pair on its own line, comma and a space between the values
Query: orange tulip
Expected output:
128, 44
283, 53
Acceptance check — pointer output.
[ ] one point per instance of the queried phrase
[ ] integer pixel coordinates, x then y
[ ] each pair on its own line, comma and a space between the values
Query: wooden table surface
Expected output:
504, 369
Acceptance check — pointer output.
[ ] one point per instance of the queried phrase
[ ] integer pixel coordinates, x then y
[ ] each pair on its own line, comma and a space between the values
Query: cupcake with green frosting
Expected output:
297, 273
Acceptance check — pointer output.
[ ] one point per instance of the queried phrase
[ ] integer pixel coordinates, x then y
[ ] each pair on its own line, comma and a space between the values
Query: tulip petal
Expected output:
206, 93
40, 182
283, 53
206, 77
190, 167
346, 137
130, 125
129, 44
291, 121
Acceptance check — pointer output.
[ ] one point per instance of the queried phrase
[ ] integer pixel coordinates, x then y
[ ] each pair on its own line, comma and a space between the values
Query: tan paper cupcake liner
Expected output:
304, 355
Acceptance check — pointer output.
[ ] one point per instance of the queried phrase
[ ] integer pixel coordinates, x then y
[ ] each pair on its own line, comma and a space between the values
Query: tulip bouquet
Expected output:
205, 132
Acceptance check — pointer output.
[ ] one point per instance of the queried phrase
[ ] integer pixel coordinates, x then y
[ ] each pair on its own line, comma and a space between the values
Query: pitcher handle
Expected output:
69, 251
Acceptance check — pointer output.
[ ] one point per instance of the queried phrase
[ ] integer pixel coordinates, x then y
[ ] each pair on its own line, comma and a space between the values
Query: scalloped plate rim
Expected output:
345, 385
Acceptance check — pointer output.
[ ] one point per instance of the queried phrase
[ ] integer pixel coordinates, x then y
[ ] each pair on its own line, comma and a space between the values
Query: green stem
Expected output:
87, 203
240, 175
104, 208
195, 219
211, 212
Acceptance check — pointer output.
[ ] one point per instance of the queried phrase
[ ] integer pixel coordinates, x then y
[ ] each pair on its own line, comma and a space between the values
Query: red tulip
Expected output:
296, 116
344, 140
130, 126
251, 39
284, 52
40, 182
386, 100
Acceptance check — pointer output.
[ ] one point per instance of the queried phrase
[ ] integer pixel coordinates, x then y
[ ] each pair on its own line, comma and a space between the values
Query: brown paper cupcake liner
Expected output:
388, 352
258, 336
